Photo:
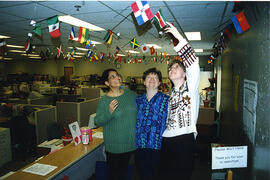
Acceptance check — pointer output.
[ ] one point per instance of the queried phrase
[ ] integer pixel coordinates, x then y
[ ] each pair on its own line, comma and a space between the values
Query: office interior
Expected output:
41, 96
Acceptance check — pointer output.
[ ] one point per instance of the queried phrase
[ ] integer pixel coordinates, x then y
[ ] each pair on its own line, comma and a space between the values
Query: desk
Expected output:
76, 162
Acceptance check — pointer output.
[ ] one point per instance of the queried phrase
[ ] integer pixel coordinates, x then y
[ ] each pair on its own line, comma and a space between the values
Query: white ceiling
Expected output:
203, 16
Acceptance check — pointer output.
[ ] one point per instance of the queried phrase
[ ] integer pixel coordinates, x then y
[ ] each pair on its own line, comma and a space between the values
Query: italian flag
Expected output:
160, 19
53, 25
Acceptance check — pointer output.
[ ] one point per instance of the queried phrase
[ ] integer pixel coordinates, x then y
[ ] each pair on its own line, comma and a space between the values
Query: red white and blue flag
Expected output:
72, 34
142, 11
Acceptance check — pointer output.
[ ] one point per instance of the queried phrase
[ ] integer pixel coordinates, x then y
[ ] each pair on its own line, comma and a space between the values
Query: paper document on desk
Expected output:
40, 169
98, 135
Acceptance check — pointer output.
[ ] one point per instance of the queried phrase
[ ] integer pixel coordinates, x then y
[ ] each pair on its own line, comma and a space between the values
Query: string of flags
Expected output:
142, 12
240, 24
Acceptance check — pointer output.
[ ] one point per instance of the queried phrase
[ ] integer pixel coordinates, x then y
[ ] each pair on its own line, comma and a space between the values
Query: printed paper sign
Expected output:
229, 157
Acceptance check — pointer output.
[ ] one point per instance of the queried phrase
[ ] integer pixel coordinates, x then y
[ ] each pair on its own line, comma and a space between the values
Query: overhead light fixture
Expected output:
78, 53
82, 49
153, 45
4, 37
77, 56
193, 36
6, 58
31, 55
132, 51
34, 57
94, 42
15, 46
79, 23
198, 50
120, 55
17, 51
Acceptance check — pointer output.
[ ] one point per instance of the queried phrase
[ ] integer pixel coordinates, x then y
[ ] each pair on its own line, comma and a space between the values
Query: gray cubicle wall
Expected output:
43, 117
77, 111
90, 93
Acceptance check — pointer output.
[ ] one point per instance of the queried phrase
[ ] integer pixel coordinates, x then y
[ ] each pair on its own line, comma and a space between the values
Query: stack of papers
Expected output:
98, 135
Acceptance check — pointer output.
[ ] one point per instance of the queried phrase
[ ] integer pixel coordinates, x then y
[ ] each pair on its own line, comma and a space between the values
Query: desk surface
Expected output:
63, 158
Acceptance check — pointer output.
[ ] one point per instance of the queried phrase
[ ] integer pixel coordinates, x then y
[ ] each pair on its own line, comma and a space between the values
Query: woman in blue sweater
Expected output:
150, 125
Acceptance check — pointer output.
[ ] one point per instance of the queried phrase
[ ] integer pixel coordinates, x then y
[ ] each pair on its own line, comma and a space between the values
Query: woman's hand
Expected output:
113, 105
171, 29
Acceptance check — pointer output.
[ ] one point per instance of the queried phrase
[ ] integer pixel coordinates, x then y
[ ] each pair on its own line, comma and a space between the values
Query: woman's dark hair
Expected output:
105, 74
179, 63
154, 71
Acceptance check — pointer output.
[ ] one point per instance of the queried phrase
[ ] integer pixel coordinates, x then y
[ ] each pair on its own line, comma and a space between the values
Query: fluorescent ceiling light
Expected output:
133, 52
120, 55
154, 45
15, 46
17, 51
6, 58
198, 50
79, 23
77, 56
94, 42
193, 36
78, 53
82, 49
32, 55
4, 37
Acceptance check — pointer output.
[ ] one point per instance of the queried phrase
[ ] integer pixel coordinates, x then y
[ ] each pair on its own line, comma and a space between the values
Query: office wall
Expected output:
248, 56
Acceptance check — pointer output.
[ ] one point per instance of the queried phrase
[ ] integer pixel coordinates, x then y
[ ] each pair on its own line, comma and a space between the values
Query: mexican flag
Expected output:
53, 25
160, 19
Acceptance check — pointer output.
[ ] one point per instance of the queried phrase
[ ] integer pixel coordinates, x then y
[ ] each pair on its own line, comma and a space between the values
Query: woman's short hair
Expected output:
152, 71
105, 74
179, 63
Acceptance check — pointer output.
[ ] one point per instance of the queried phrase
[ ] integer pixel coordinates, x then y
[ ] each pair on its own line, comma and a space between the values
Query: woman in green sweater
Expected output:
116, 113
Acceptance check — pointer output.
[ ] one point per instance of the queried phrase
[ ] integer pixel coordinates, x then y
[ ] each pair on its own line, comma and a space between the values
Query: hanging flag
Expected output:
164, 55
96, 57
101, 56
227, 33
133, 43
117, 50
83, 35
54, 28
3, 47
108, 37
160, 19
142, 11
37, 29
144, 48
48, 52
59, 51
89, 53
28, 47
240, 23
42, 55
152, 50
72, 33
88, 43
73, 51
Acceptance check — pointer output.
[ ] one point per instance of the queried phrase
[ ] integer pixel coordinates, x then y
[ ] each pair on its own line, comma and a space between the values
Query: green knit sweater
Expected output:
119, 128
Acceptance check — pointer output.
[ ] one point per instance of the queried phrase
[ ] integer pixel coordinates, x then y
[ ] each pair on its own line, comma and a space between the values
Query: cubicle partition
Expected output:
90, 93
43, 117
76, 111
